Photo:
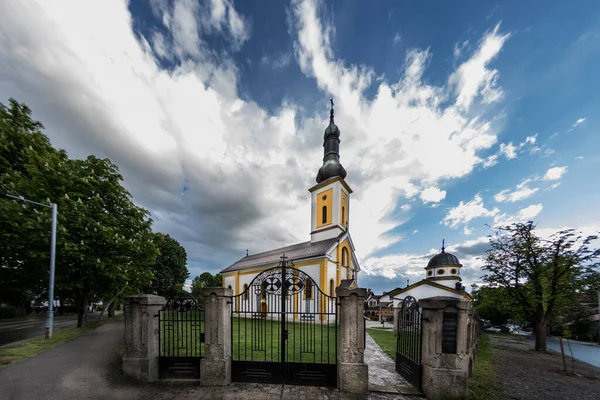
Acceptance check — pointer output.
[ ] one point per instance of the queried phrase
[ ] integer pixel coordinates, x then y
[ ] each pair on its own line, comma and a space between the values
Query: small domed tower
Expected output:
444, 268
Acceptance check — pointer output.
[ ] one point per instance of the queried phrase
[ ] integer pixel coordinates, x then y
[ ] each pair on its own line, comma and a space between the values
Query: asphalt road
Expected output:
83, 368
582, 351
13, 331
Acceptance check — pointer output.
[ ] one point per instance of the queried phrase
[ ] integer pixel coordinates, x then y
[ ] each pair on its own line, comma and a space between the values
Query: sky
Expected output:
454, 116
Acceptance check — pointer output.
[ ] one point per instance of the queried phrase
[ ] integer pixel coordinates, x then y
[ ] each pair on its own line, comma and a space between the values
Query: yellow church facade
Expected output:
328, 258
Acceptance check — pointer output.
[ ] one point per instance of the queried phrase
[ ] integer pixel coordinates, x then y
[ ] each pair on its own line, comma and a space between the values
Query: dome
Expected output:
443, 259
331, 129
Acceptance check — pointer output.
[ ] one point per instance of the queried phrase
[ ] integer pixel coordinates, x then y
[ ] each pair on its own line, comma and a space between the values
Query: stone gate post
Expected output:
141, 336
353, 373
215, 367
445, 351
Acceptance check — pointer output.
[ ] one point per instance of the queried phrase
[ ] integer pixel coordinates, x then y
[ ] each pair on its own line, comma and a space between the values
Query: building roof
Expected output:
443, 259
294, 252
347, 283
437, 285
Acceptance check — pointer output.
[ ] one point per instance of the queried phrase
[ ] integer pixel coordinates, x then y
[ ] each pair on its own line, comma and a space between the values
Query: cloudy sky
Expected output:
453, 116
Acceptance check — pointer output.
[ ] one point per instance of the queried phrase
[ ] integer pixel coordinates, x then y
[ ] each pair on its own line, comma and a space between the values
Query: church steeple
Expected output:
331, 152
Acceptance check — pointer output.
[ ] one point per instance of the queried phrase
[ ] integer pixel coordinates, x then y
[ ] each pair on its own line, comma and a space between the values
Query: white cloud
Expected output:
466, 212
432, 195
397, 39
473, 78
101, 91
555, 173
521, 192
510, 151
415, 231
524, 215
405, 207
467, 231
280, 61
576, 124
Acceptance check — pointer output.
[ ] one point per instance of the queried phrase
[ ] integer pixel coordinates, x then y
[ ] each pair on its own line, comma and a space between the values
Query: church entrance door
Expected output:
409, 341
284, 330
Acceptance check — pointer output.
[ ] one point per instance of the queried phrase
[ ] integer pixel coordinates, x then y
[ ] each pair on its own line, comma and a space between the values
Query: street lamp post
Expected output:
54, 208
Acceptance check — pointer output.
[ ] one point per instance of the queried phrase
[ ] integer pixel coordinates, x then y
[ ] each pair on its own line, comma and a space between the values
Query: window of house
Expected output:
324, 215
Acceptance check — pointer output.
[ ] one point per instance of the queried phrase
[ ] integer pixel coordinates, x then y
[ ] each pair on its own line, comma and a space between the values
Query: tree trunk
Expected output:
111, 310
541, 333
81, 302
108, 306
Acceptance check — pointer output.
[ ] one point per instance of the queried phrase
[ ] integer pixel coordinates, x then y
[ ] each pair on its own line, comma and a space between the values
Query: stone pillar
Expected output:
215, 367
141, 336
445, 352
353, 373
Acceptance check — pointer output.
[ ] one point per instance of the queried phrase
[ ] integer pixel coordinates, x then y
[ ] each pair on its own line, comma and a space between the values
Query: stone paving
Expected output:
383, 377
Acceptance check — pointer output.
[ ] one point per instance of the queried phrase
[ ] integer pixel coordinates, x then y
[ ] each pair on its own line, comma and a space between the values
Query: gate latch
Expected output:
285, 334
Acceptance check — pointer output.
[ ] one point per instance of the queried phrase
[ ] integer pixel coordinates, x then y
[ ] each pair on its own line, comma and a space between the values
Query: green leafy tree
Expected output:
170, 270
27, 163
204, 280
494, 304
541, 276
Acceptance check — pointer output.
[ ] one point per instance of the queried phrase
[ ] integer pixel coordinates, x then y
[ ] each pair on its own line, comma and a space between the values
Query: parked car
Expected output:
494, 329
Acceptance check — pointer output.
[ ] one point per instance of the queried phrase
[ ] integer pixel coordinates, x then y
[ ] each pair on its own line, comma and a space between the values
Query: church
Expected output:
328, 257
442, 278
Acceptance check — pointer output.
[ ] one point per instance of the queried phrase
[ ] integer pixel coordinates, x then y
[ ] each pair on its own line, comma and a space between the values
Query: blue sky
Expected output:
454, 116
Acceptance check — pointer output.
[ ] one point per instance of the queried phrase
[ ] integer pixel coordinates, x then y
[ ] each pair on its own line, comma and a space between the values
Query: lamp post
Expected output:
54, 208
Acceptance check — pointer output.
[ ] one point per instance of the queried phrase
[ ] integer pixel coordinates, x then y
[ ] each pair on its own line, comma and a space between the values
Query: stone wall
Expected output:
449, 343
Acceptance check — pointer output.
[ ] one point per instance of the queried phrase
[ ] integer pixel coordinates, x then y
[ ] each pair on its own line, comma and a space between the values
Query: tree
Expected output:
206, 279
170, 270
494, 304
540, 275
27, 159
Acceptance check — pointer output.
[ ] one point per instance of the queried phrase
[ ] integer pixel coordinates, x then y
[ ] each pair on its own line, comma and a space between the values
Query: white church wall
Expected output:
423, 292
230, 281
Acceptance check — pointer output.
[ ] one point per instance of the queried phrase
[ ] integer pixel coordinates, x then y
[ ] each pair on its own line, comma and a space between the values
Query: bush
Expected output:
7, 311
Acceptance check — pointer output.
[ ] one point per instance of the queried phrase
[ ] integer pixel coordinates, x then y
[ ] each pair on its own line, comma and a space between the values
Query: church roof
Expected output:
294, 252
436, 285
443, 259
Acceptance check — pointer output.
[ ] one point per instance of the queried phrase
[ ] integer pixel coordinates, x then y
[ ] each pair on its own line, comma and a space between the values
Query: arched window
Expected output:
245, 292
343, 215
324, 215
331, 288
345, 257
308, 289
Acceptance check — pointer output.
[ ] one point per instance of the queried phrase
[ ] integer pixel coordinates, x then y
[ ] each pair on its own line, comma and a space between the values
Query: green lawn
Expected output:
482, 383
253, 339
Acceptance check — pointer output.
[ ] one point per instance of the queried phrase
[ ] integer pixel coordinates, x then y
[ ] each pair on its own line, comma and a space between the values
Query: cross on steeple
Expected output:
443, 244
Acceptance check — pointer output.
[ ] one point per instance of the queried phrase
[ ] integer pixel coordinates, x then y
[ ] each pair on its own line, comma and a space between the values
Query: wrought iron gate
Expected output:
408, 342
181, 338
284, 330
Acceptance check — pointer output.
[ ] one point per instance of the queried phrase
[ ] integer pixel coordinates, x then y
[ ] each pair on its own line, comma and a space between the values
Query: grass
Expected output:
12, 353
254, 339
482, 383
386, 339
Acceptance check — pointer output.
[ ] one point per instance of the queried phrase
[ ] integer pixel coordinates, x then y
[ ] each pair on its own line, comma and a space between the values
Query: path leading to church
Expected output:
383, 377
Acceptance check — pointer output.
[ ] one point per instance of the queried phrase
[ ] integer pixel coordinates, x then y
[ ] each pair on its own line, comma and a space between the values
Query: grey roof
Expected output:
443, 259
294, 252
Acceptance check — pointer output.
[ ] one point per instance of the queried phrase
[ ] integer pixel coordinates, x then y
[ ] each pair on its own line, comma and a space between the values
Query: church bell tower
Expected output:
330, 197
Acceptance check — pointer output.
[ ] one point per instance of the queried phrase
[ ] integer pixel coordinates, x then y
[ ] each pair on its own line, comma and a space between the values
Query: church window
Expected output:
324, 215
453, 271
441, 272
429, 273
343, 215
245, 292
331, 288
345, 257
229, 287
308, 290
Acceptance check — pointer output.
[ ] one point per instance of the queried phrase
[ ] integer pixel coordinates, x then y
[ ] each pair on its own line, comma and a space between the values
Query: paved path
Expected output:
15, 330
383, 377
582, 351
88, 367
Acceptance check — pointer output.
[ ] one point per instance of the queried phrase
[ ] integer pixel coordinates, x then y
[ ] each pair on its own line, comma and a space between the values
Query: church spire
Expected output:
331, 152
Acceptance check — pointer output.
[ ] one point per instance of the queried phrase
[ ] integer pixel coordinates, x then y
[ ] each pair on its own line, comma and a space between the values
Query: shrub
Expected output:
7, 311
